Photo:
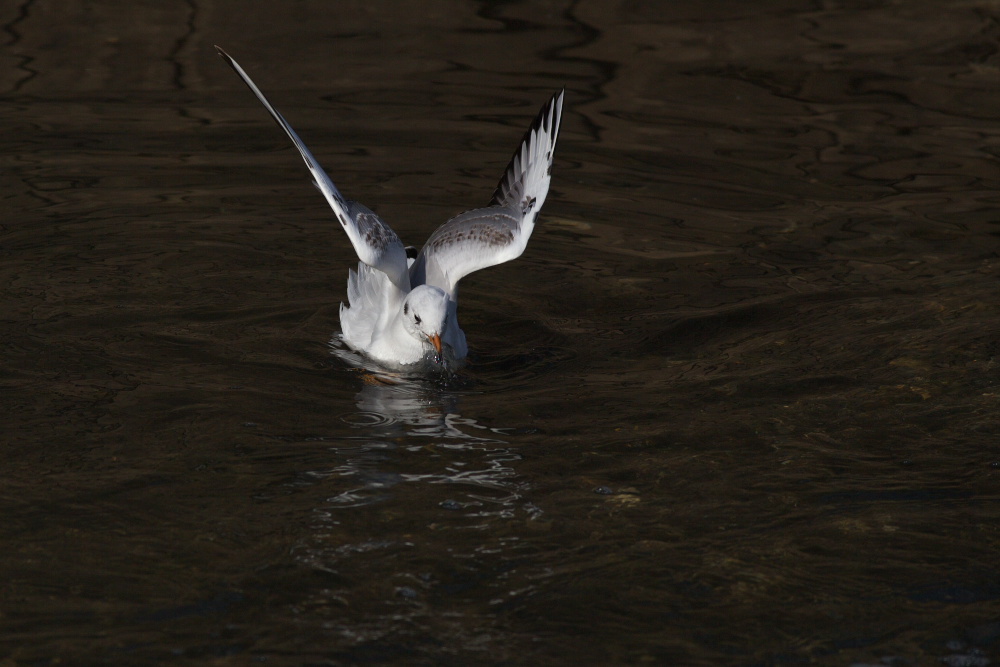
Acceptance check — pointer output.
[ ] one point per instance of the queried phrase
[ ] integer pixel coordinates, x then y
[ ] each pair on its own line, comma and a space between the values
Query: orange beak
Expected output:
436, 342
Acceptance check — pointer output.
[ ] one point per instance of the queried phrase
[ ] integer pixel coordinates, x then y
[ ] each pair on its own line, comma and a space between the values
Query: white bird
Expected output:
403, 306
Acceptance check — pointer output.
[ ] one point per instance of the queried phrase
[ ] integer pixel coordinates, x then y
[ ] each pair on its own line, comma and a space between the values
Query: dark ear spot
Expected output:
406, 308
527, 205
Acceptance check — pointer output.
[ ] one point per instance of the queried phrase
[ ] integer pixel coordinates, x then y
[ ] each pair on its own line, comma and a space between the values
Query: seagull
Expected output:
403, 303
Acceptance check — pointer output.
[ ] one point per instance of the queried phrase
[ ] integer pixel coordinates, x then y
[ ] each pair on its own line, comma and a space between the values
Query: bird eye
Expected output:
416, 318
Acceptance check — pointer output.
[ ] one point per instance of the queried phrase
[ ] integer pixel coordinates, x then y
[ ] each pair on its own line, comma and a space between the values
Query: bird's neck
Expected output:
392, 340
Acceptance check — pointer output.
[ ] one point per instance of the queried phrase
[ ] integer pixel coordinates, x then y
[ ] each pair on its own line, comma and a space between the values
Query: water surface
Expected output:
736, 404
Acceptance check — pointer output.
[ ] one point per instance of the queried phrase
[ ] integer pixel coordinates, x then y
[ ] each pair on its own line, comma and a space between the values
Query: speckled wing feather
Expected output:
498, 233
374, 241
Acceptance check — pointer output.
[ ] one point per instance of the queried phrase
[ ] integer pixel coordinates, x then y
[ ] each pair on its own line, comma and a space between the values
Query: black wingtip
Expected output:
550, 108
228, 58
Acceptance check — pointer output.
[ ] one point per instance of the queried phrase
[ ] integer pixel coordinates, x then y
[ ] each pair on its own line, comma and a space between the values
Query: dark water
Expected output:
736, 404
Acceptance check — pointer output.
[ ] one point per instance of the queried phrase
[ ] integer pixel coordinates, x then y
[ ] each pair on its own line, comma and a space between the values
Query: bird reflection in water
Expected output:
411, 430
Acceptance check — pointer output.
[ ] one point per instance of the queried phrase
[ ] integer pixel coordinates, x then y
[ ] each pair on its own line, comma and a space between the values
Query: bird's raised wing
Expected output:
498, 233
374, 241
